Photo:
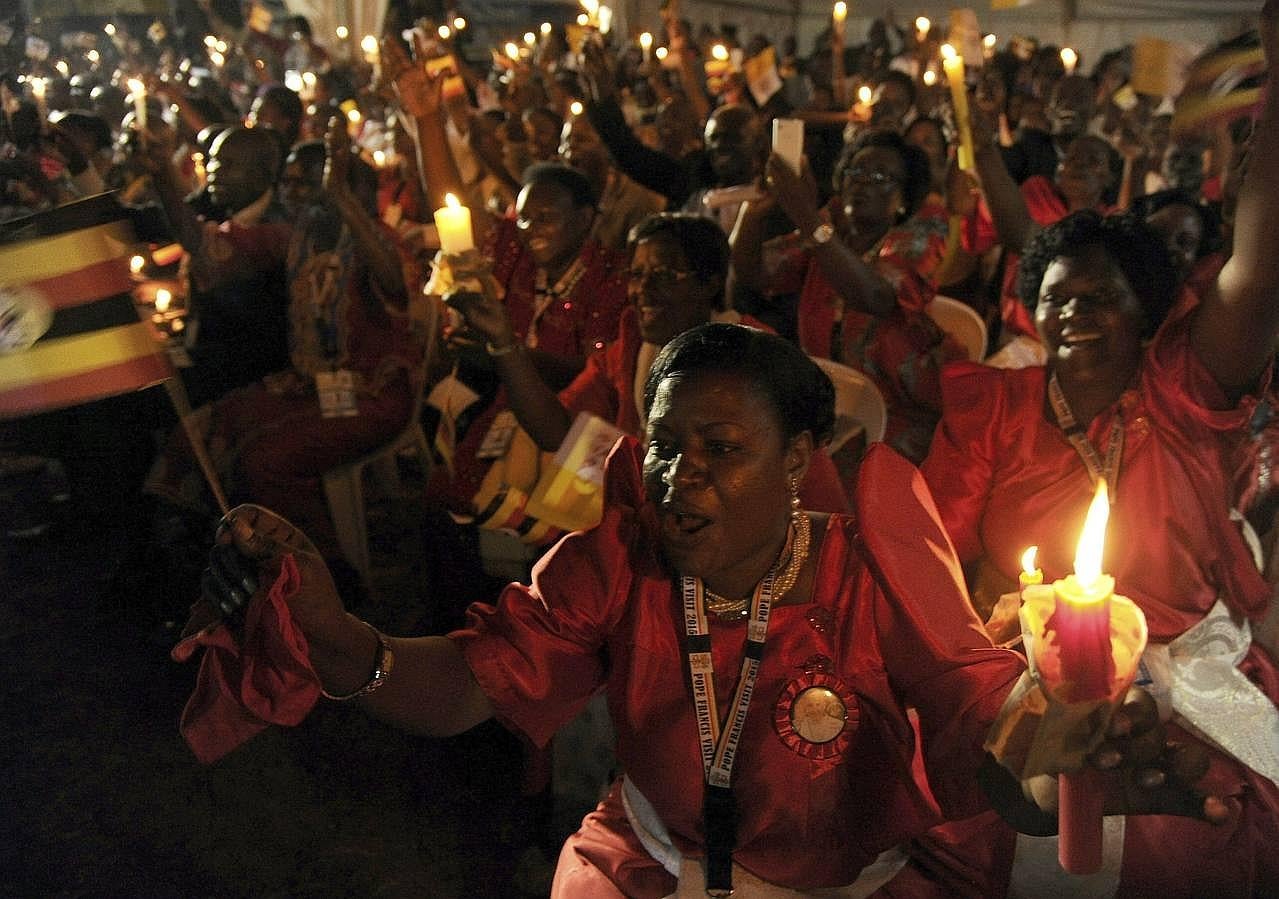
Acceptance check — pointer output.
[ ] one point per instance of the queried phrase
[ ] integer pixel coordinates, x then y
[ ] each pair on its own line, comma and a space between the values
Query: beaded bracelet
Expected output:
383, 662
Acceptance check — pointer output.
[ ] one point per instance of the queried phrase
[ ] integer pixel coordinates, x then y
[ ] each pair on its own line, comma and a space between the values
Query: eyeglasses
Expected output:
868, 176
658, 277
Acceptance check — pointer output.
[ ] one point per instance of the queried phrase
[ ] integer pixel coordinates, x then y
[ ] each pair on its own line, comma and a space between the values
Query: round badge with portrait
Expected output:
816, 715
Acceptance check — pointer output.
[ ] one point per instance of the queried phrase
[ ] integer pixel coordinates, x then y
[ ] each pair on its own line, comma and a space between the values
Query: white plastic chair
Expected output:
344, 484
961, 322
859, 406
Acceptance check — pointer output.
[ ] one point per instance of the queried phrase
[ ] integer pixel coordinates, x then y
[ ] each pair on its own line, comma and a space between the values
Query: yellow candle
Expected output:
139, 92
453, 220
1030, 575
953, 64
840, 13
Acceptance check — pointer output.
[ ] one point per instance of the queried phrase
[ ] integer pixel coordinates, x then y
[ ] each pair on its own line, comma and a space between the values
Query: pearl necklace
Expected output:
790, 561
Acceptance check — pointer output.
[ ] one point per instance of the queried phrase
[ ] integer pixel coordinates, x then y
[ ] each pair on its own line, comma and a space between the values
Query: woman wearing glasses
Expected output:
862, 269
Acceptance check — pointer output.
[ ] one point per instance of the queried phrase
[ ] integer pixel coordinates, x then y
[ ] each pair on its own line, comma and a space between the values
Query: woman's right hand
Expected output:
419, 92
796, 194
246, 558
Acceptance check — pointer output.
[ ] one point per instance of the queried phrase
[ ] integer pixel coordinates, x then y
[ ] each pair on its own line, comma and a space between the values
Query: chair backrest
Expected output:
961, 322
859, 406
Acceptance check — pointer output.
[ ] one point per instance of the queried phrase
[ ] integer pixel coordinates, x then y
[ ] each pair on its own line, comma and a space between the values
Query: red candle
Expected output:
1080, 631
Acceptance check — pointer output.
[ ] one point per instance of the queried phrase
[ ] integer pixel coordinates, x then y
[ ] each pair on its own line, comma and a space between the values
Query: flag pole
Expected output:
182, 405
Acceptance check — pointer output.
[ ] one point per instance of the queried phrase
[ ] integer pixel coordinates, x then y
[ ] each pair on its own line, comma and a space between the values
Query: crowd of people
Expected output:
635, 251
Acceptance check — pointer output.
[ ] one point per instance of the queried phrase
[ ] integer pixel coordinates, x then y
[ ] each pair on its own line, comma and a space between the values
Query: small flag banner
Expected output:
1223, 84
70, 332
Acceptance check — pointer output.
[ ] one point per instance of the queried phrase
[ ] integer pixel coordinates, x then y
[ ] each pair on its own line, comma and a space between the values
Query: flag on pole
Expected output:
70, 331
1223, 84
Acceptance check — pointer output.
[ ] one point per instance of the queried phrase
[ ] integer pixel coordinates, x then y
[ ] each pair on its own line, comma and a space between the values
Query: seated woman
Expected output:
1015, 458
564, 292
679, 266
814, 632
862, 272
273, 439
1012, 215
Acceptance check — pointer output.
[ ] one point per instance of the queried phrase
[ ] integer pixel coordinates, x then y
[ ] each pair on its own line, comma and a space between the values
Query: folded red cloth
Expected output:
262, 676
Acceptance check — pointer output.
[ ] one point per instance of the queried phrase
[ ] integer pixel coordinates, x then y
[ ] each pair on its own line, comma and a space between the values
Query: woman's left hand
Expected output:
1145, 772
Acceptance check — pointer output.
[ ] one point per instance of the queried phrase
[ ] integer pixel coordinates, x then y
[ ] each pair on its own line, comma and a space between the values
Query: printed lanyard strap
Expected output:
719, 744
1083, 446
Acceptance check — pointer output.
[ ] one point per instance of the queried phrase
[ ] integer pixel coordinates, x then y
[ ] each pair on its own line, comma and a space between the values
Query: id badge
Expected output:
336, 390
499, 437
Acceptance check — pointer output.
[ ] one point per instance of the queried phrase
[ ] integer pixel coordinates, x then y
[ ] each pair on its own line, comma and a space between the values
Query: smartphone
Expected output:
788, 142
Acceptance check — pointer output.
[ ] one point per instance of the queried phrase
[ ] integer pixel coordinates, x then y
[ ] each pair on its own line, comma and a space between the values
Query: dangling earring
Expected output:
796, 512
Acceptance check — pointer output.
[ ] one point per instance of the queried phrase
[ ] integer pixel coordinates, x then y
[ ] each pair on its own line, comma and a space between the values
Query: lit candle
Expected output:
839, 14
343, 32
953, 64
1030, 575
646, 44
545, 28
369, 45
38, 87
575, 108
453, 220
583, 19
137, 264
163, 297
930, 77
1069, 59
530, 38
922, 27
459, 24
1080, 628
139, 92
720, 52
660, 53
445, 32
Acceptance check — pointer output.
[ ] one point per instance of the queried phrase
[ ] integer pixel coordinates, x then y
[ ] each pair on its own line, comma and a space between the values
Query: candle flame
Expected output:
948, 52
136, 86
840, 11
865, 94
163, 298
545, 28
452, 202
720, 52
342, 32
575, 108
459, 24
583, 19
660, 52
930, 78
1028, 559
137, 264
1093, 538
530, 38
592, 7
646, 40
512, 50
445, 32
989, 41
368, 44
922, 25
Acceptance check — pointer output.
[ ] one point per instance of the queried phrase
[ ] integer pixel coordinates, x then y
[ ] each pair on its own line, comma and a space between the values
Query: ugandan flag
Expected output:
1223, 84
69, 329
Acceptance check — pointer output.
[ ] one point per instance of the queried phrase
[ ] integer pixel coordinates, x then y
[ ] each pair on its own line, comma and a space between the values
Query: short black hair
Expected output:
800, 393
903, 80
566, 178
310, 154
1209, 217
90, 124
701, 240
914, 160
1135, 247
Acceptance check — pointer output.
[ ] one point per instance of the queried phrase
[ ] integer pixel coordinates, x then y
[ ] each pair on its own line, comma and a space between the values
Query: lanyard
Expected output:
544, 296
1079, 440
718, 743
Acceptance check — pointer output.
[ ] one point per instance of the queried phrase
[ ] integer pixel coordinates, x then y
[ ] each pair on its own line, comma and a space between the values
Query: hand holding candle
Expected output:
138, 91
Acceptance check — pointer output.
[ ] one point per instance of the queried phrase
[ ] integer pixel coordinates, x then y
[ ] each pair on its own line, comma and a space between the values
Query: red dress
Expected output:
573, 327
606, 388
902, 352
1005, 477
604, 614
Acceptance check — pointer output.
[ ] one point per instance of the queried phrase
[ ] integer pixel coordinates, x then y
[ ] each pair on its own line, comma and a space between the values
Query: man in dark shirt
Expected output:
1036, 152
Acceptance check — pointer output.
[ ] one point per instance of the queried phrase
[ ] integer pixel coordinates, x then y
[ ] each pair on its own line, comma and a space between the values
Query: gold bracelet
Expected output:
496, 351
383, 662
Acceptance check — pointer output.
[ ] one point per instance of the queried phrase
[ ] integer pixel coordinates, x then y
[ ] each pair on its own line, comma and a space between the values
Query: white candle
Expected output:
453, 221
1069, 59
163, 298
139, 92
646, 44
